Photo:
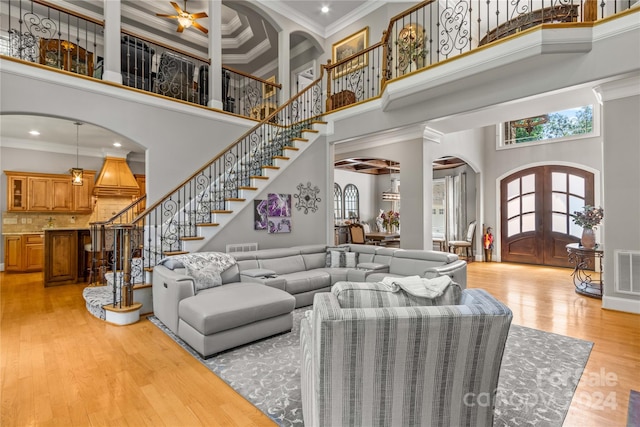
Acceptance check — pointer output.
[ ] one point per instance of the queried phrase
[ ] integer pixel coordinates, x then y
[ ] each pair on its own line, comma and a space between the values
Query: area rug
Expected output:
633, 413
539, 374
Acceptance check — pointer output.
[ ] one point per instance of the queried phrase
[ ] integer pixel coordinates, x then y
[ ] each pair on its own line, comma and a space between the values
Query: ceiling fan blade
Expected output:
164, 15
200, 27
176, 7
180, 28
199, 15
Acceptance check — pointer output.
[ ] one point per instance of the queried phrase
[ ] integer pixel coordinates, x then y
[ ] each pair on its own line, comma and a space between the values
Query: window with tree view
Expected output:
560, 124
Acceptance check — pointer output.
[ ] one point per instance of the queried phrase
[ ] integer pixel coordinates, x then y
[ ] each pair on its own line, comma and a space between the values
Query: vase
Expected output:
588, 239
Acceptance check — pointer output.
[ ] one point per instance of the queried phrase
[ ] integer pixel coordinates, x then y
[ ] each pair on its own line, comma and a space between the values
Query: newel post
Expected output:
327, 67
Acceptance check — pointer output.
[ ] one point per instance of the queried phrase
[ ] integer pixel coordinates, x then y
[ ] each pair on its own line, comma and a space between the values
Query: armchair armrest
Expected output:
457, 270
169, 288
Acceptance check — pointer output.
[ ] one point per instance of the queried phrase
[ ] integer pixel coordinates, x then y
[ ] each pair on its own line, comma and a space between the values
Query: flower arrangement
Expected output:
589, 217
390, 218
488, 239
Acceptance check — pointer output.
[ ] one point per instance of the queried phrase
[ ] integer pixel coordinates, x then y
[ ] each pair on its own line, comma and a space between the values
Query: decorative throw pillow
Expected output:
331, 249
351, 259
337, 259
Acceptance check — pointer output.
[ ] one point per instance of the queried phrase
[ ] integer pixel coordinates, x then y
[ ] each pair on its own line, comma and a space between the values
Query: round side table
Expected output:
583, 273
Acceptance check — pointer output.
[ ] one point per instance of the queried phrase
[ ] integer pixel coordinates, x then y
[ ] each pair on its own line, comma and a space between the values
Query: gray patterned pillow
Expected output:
338, 259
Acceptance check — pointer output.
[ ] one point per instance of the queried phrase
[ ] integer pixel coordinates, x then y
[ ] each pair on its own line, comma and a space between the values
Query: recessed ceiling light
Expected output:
34, 132
325, 9
117, 144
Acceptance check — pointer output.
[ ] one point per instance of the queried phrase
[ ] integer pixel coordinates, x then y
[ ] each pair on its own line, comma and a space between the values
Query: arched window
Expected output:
337, 201
351, 202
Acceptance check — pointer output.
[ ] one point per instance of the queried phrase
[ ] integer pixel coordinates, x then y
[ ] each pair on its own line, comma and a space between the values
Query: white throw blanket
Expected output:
205, 267
418, 286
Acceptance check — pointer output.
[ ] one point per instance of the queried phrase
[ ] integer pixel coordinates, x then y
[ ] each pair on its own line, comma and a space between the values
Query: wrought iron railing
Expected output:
204, 196
434, 31
43, 33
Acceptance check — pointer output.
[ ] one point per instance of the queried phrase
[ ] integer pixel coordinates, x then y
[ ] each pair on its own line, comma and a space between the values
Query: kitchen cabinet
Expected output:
17, 193
64, 255
37, 192
23, 253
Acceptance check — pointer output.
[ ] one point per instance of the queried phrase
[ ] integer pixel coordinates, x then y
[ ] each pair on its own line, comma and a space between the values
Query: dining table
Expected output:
382, 237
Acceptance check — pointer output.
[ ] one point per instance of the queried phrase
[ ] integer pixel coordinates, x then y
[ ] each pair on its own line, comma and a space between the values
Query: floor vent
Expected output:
627, 270
242, 247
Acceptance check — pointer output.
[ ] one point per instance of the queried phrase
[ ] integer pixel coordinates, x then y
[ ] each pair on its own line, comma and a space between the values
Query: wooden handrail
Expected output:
264, 121
352, 57
402, 15
69, 11
242, 73
166, 46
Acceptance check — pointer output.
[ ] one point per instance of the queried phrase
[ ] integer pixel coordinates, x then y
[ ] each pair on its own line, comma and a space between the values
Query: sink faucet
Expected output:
50, 222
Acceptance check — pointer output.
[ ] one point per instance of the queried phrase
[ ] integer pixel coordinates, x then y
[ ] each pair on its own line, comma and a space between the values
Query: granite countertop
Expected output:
64, 228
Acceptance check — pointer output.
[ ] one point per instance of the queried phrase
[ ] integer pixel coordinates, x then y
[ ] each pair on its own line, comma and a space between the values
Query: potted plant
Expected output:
588, 218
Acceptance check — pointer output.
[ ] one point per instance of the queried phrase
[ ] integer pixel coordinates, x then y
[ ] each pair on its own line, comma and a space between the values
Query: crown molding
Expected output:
245, 58
293, 15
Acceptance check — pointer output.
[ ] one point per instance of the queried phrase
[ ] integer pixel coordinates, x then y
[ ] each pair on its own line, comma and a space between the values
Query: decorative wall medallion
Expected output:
307, 198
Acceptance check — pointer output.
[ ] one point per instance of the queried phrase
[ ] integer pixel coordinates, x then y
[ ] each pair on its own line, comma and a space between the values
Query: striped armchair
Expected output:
400, 364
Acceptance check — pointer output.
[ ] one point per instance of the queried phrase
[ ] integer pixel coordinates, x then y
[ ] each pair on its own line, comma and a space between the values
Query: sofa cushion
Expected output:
377, 295
283, 265
330, 252
337, 274
258, 272
305, 281
236, 304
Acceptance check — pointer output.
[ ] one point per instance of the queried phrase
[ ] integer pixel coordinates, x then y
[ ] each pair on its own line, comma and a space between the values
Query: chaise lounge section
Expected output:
259, 291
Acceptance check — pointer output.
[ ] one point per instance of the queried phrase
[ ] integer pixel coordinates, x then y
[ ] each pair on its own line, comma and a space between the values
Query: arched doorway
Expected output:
535, 213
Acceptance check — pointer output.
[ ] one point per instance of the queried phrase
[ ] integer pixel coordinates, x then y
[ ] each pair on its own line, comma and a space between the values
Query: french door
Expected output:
535, 206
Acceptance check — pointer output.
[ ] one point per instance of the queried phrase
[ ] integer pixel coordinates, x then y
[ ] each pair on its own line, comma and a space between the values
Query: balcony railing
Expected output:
43, 33
435, 31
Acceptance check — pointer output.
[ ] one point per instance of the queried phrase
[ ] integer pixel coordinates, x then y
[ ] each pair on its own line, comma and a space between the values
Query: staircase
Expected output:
189, 216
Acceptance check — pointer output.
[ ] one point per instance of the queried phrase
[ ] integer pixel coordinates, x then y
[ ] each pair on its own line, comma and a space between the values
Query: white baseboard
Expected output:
621, 304
1, 266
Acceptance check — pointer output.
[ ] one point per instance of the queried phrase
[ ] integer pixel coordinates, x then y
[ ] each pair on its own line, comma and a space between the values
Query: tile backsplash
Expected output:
26, 222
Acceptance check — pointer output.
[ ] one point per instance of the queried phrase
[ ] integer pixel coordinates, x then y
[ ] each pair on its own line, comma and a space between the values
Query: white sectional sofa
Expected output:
259, 292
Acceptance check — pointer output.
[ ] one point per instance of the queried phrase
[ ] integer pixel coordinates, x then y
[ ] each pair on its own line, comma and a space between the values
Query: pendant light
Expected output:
76, 173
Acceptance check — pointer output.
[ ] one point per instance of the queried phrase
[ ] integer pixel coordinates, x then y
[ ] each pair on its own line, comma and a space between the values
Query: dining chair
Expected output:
356, 232
467, 243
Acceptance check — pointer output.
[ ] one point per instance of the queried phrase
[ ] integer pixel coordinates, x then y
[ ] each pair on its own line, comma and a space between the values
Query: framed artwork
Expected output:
279, 205
279, 224
267, 90
260, 214
349, 46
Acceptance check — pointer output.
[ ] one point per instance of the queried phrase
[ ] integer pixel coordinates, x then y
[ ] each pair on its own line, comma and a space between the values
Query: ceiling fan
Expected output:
185, 19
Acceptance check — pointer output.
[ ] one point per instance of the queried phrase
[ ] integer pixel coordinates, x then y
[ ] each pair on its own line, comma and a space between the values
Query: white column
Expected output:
215, 54
112, 71
284, 66
429, 137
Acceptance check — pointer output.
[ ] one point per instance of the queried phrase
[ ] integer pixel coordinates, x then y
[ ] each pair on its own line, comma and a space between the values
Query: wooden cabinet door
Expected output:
33, 253
61, 194
13, 253
60, 264
83, 194
39, 196
17, 193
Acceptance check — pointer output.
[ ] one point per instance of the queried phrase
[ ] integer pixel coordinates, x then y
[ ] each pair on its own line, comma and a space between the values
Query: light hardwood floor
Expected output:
61, 366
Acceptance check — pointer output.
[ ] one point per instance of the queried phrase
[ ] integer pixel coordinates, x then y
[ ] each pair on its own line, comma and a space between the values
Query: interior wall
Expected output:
306, 228
367, 189
621, 224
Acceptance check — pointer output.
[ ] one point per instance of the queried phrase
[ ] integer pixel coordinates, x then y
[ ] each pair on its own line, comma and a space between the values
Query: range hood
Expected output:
116, 179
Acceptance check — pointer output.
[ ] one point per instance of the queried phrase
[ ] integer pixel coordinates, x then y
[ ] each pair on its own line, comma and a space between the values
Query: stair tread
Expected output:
297, 138
235, 199
319, 122
142, 286
290, 148
310, 130
170, 253
260, 176
192, 238
270, 167
281, 157
208, 224
248, 188
221, 211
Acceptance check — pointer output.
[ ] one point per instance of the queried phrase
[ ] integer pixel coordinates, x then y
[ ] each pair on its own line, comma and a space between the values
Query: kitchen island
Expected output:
64, 255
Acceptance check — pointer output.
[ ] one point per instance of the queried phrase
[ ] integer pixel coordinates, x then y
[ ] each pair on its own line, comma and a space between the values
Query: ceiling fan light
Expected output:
185, 21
